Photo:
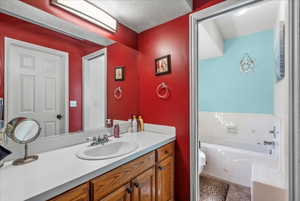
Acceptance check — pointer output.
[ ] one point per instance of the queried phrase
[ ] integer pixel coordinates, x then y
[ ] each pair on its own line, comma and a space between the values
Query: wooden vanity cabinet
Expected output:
121, 194
165, 179
109, 182
80, 193
165, 173
148, 178
144, 186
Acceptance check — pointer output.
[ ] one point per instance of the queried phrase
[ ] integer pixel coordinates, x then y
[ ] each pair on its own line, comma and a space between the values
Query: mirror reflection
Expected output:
26, 131
66, 84
23, 130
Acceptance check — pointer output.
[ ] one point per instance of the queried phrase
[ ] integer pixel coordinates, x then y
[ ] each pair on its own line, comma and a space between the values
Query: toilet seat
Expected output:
201, 161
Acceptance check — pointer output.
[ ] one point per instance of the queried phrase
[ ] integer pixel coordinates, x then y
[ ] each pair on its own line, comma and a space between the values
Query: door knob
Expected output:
59, 116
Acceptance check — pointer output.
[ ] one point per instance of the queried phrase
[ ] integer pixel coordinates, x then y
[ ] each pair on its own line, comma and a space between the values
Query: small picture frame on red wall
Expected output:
120, 73
163, 65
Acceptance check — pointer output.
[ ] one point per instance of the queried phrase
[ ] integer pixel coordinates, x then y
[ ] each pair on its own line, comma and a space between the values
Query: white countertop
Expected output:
60, 170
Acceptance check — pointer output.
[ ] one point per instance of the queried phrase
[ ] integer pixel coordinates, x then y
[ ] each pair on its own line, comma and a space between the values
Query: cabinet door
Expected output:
121, 194
165, 179
144, 186
109, 182
165, 151
80, 193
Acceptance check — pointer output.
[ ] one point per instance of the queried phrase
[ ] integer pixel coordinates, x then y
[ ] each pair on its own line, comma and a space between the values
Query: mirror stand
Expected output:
23, 131
26, 159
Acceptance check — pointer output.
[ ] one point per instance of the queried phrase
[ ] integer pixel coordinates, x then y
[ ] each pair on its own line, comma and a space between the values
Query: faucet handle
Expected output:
273, 131
269, 143
91, 139
88, 139
106, 138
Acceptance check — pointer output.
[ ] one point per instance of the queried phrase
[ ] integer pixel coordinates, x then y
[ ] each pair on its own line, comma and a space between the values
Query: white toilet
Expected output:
201, 161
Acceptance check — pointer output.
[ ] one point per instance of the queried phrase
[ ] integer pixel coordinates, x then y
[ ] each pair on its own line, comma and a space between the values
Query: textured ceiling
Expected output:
260, 17
140, 15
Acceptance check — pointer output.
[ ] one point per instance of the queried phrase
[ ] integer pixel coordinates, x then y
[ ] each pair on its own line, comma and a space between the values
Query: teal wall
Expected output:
224, 88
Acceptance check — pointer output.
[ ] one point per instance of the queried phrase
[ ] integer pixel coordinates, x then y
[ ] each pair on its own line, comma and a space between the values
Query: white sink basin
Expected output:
111, 150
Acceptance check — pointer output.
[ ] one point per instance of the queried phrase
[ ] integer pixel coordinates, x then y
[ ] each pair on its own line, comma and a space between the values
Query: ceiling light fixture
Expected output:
240, 12
88, 11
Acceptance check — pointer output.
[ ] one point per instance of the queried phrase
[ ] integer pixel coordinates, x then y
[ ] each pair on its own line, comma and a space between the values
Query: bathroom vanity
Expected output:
139, 180
145, 174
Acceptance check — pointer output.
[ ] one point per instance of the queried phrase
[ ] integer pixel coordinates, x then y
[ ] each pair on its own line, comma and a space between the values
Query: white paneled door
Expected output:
36, 86
94, 82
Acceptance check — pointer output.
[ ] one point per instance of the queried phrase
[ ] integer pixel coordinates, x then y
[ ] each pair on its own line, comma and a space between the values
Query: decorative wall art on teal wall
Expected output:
224, 87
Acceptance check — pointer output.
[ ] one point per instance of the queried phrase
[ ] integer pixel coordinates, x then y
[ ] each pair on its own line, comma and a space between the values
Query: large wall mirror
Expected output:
66, 84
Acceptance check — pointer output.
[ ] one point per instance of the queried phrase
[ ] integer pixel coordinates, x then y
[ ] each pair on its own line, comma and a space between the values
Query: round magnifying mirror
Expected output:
23, 131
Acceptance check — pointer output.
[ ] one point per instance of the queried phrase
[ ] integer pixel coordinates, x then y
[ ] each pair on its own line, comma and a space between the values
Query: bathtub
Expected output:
242, 143
234, 164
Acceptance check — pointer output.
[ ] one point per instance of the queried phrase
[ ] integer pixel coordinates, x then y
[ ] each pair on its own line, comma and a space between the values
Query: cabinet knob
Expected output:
136, 185
166, 152
161, 168
129, 190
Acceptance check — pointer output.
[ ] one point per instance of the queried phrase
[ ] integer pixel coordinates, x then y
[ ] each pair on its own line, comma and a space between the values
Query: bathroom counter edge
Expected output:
36, 188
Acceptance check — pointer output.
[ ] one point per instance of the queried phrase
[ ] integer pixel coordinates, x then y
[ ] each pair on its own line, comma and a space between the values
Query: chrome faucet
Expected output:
98, 140
270, 143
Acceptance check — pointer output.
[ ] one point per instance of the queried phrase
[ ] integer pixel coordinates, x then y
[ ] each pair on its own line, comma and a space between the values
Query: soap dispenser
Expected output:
117, 131
141, 123
134, 124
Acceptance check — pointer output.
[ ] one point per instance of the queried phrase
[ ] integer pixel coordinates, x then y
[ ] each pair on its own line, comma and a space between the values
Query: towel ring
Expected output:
162, 91
118, 93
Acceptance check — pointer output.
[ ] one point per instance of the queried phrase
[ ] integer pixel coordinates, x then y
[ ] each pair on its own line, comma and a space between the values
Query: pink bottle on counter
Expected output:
117, 131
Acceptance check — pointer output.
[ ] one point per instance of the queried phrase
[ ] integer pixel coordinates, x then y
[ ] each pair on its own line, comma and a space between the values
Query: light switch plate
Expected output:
73, 103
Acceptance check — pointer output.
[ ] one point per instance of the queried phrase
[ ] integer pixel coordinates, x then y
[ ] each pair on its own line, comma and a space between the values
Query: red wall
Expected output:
121, 55
123, 35
169, 38
201, 4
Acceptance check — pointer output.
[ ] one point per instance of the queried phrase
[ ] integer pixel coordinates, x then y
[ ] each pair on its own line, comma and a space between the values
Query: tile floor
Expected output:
212, 189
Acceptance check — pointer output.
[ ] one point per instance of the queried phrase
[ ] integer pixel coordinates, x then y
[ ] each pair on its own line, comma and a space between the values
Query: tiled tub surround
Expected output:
57, 171
233, 143
238, 130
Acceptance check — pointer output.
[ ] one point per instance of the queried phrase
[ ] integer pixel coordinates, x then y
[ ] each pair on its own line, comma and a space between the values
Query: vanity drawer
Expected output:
107, 183
80, 193
165, 151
